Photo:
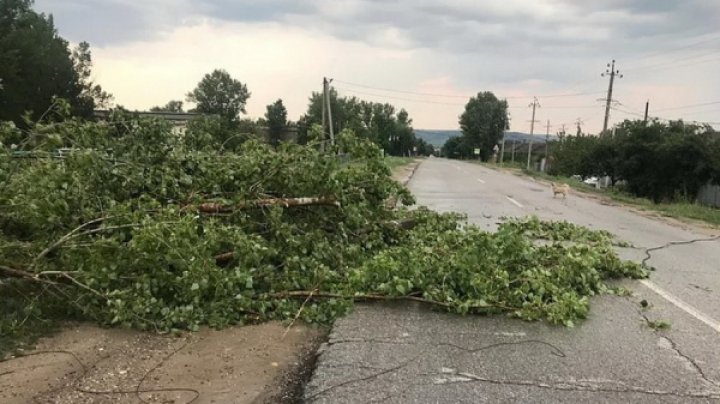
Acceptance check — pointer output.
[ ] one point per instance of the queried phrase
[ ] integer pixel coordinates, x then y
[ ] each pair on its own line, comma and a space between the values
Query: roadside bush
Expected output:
661, 162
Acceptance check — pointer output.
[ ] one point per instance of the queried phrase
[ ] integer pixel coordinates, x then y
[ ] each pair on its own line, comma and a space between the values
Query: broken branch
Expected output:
364, 297
211, 207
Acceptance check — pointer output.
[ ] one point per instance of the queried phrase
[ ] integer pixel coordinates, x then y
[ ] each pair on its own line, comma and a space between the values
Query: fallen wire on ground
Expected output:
138, 391
137, 227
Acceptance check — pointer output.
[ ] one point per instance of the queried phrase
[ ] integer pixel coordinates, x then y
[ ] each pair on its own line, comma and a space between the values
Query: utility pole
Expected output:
561, 133
647, 106
502, 148
512, 158
326, 107
579, 122
534, 105
547, 139
324, 97
612, 73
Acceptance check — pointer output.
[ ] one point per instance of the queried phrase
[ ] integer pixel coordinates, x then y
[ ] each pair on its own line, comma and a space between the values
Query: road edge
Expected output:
681, 223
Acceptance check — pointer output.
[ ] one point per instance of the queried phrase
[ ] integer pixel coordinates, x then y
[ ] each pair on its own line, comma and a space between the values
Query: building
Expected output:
178, 120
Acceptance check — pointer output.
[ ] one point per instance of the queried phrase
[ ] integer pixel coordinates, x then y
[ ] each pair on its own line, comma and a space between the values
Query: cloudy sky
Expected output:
427, 56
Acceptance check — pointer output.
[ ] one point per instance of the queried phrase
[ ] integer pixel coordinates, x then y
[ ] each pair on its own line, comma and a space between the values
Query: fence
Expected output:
709, 195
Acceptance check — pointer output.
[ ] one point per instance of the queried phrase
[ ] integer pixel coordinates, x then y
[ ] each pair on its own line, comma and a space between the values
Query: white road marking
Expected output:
516, 203
712, 323
481, 181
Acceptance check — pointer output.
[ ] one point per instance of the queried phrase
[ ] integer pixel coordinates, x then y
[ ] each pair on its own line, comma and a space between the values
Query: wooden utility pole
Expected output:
612, 73
326, 91
647, 106
324, 96
534, 105
547, 140
502, 148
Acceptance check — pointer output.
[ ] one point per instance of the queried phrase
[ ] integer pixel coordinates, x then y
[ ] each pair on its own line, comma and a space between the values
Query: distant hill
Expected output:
438, 137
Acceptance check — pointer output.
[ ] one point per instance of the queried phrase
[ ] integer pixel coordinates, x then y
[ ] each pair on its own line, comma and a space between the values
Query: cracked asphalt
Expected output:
407, 353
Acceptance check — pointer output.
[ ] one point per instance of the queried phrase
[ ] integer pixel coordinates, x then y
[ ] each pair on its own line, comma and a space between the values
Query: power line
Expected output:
560, 106
535, 104
401, 91
672, 62
674, 65
663, 119
457, 95
663, 52
399, 98
689, 106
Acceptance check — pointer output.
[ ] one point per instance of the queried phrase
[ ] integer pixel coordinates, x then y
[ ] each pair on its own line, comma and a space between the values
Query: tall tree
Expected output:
218, 93
381, 123
36, 64
276, 117
483, 122
92, 95
172, 106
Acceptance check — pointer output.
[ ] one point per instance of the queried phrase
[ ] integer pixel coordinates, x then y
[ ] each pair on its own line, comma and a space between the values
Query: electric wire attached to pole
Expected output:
535, 104
612, 72
547, 142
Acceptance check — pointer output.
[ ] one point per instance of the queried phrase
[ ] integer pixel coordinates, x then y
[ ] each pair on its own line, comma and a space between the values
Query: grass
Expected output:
395, 162
679, 209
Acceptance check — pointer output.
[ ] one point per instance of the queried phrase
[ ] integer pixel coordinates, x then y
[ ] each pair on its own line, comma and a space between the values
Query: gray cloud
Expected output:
479, 44
570, 26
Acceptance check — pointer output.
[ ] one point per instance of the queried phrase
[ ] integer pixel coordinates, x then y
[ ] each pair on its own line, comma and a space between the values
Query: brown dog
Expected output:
563, 189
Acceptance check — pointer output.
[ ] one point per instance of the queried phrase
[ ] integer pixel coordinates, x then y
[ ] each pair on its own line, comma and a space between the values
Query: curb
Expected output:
394, 199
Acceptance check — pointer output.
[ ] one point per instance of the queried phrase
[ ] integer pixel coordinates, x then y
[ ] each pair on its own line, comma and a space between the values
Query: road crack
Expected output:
464, 377
674, 347
691, 361
648, 256
554, 349
362, 379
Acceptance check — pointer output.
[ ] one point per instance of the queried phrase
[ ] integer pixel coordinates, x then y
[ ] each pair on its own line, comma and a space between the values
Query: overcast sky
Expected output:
433, 55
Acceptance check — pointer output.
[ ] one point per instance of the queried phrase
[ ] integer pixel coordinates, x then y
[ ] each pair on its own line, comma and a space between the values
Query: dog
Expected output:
563, 189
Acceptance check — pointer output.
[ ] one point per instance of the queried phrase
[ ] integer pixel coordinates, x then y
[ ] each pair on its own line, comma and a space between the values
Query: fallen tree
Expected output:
139, 228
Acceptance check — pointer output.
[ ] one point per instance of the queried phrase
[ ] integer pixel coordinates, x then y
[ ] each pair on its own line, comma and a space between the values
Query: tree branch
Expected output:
68, 236
310, 294
211, 207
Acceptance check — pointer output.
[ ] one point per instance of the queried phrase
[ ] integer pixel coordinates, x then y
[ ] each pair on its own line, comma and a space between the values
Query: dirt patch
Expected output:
88, 364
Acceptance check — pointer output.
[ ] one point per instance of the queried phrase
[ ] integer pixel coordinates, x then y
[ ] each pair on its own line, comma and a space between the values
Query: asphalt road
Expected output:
409, 354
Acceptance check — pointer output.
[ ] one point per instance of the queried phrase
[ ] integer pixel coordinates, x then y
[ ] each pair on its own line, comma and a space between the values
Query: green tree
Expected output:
172, 106
276, 117
483, 122
575, 156
378, 122
457, 147
36, 65
218, 93
666, 161
92, 95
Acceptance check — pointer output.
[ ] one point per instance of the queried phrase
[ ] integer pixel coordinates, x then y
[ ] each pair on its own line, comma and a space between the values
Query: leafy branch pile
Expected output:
131, 225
